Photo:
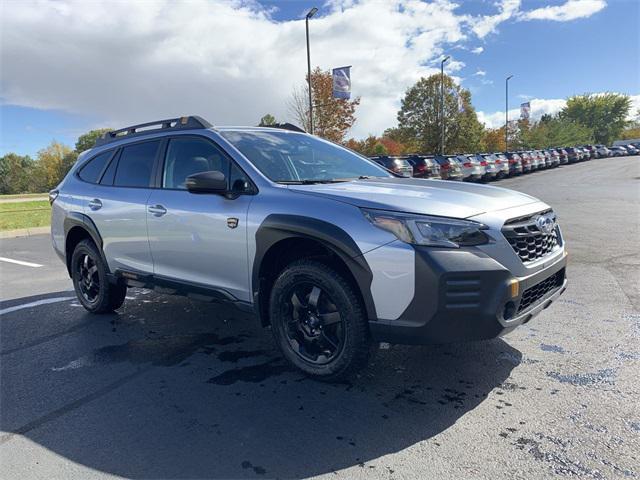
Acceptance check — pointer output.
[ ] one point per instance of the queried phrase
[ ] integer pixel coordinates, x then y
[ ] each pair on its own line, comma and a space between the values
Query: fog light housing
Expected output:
509, 311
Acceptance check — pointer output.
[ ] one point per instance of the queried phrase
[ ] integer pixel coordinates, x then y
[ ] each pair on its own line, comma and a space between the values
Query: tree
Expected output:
332, 117
494, 140
88, 140
604, 114
267, 120
419, 116
53, 163
555, 131
16, 174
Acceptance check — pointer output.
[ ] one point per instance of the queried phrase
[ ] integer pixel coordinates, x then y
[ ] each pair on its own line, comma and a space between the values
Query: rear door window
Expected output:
92, 170
135, 166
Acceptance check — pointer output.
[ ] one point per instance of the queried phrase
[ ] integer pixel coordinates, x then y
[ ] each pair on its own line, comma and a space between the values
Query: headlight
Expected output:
426, 230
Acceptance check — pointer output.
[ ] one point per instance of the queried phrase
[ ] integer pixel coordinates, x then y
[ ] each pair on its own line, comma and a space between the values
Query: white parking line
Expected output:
35, 304
20, 262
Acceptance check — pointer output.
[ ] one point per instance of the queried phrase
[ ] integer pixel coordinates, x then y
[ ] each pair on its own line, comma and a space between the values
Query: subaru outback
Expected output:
322, 245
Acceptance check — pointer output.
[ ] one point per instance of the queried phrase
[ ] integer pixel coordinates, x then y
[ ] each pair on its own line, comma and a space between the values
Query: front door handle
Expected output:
95, 204
157, 210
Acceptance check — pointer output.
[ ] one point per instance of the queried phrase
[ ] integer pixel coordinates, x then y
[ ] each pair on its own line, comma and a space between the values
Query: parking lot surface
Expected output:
173, 388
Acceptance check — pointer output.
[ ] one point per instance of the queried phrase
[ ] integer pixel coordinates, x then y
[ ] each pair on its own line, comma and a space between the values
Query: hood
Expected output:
422, 196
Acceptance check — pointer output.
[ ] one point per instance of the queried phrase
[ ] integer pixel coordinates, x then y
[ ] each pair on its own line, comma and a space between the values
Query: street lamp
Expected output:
506, 113
442, 103
311, 13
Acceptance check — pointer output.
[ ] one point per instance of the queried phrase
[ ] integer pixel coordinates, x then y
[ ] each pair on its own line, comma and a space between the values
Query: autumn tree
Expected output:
604, 114
88, 140
419, 116
53, 163
494, 140
332, 117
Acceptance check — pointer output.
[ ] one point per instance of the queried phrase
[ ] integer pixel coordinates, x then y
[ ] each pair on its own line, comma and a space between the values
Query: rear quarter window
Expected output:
92, 170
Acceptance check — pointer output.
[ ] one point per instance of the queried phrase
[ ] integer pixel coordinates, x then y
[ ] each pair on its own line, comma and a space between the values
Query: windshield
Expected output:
287, 157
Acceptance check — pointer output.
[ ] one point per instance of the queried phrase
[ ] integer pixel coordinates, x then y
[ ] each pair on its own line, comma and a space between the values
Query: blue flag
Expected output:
342, 82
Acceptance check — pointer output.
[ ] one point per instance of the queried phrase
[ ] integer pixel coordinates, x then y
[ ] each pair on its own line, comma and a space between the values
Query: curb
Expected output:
25, 232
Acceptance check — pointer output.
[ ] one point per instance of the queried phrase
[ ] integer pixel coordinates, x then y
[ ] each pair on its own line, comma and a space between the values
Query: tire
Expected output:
292, 324
90, 281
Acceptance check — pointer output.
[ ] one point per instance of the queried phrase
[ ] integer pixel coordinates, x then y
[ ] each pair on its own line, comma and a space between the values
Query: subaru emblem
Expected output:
545, 223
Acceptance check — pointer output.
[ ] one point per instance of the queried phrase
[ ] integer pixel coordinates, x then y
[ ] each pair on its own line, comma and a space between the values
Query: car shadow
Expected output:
170, 388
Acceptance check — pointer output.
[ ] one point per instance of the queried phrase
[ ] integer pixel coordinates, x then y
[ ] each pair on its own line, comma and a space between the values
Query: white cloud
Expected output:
477, 50
488, 23
570, 10
539, 107
128, 62
480, 73
227, 60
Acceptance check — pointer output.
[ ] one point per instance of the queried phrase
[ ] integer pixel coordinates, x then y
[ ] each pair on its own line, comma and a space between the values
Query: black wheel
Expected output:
318, 321
90, 282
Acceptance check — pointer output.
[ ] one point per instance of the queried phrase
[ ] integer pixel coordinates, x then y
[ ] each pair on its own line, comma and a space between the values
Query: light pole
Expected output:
311, 13
506, 113
442, 103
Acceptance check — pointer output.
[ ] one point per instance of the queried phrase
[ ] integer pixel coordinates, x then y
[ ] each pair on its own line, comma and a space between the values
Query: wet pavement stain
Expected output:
247, 465
252, 373
163, 351
452, 397
235, 355
552, 348
606, 376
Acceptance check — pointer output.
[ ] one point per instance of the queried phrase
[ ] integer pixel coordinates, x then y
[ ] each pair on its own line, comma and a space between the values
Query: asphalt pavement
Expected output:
173, 388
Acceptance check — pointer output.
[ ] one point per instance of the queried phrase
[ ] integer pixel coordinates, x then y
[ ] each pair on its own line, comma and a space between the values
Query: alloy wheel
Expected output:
314, 327
89, 280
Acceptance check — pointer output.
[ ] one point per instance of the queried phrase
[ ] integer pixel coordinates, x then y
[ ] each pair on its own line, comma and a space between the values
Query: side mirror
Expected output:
212, 181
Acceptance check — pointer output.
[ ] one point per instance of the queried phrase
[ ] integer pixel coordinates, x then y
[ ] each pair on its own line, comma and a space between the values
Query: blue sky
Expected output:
64, 71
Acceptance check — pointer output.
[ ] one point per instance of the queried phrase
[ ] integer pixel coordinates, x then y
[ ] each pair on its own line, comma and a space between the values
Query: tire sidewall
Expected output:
343, 297
86, 247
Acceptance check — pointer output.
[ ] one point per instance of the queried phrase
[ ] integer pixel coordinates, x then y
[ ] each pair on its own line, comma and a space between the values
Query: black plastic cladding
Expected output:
277, 227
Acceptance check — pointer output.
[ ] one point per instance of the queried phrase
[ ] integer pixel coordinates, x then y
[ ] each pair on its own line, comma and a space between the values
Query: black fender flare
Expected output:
77, 219
277, 227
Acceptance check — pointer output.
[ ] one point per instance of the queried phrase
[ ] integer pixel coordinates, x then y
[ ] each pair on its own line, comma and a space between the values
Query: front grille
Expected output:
532, 294
527, 240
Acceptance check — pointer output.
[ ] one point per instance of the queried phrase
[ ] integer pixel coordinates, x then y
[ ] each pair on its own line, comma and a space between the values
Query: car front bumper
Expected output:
466, 296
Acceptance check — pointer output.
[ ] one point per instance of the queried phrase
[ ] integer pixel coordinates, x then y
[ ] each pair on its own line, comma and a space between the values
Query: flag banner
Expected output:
525, 110
342, 82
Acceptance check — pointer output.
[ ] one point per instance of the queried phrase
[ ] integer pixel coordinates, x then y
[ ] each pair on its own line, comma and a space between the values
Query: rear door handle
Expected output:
157, 210
95, 204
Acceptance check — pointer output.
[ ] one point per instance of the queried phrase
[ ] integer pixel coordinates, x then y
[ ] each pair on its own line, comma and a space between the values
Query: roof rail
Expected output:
287, 126
181, 123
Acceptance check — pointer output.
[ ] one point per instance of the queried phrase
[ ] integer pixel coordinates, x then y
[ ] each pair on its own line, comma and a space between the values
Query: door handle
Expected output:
157, 210
95, 204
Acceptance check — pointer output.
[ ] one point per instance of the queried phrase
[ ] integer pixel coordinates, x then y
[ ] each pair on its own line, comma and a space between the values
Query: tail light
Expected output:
421, 167
498, 162
483, 163
468, 164
511, 161
445, 166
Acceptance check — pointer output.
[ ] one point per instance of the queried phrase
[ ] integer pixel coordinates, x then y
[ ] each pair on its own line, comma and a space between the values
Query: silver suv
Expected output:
330, 250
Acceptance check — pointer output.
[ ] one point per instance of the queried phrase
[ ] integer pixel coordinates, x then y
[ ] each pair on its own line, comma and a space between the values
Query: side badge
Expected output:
232, 222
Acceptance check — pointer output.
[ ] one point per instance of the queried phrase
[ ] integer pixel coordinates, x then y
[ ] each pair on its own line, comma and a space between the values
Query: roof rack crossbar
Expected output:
181, 123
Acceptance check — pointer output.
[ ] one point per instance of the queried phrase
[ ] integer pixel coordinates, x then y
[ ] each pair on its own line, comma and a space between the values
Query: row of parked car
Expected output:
492, 166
